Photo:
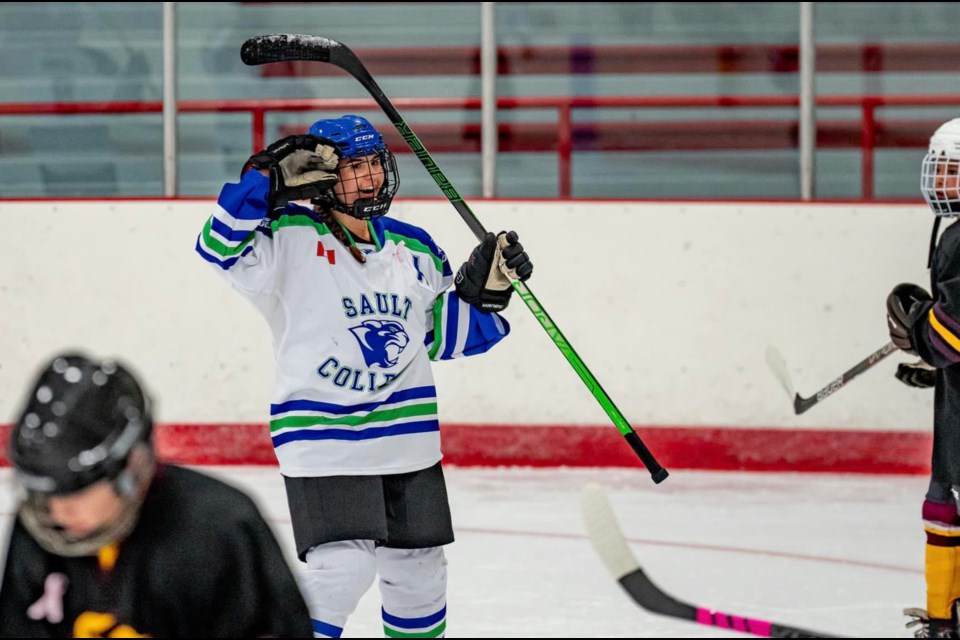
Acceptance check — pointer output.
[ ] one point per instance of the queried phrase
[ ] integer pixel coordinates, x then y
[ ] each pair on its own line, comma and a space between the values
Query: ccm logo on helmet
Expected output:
367, 137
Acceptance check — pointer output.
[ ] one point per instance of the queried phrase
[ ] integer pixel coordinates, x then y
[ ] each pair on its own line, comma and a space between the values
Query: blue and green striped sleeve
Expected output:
459, 329
237, 239
229, 233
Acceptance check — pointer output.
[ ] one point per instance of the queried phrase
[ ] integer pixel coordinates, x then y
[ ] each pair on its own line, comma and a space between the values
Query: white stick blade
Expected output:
779, 368
604, 532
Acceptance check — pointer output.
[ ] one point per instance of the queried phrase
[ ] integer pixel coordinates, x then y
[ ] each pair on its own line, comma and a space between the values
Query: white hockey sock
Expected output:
413, 585
336, 577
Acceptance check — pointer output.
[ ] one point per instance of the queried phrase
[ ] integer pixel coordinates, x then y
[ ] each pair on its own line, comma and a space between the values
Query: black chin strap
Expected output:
933, 241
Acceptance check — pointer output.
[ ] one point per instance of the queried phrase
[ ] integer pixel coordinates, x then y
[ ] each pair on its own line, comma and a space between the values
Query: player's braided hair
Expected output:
339, 231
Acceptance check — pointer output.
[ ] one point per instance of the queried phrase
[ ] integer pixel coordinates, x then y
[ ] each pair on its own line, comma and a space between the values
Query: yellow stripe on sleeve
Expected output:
945, 333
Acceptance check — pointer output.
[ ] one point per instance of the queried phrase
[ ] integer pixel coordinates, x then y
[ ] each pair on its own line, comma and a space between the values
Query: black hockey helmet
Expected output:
81, 421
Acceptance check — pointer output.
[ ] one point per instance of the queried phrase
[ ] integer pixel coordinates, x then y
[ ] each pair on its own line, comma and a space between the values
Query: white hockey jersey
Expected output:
354, 393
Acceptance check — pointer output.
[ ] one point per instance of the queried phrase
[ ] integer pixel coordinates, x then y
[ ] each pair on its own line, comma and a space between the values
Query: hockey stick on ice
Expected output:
285, 47
608, 540
800, 404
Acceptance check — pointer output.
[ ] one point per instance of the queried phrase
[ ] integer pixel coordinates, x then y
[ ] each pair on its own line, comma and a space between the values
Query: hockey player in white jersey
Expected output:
358, 304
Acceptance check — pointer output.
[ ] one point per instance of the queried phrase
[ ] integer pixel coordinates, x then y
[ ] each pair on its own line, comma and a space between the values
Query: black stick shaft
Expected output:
801, 404
649, 596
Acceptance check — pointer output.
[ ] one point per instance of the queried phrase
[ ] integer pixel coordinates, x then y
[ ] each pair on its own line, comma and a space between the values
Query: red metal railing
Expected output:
872, 133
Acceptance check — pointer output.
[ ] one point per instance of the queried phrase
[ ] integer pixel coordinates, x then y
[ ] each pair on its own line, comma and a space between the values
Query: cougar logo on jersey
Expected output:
381, 341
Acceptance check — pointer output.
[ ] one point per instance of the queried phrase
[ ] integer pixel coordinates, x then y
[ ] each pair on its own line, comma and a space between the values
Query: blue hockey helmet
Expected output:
354, 135
357, 138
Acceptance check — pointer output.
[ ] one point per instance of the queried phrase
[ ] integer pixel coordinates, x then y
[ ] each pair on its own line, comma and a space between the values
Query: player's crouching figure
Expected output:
109, 542
929, 326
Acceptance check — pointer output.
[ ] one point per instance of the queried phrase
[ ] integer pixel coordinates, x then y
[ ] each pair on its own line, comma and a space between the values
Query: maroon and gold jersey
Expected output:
936, 336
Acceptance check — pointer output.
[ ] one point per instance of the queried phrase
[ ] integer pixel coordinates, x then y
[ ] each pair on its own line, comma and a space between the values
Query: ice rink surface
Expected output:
841, 554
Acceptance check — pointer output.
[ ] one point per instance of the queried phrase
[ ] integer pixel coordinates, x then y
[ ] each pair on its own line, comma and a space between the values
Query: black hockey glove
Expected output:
899, 304
916, 374
300, 167
484, 279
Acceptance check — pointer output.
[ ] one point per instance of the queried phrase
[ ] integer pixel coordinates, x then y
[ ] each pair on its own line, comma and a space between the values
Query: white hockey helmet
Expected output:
940, 176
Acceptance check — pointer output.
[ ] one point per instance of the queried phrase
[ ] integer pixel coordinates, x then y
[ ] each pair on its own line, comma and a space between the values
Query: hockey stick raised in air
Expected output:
608, 540
286, 47
800, 404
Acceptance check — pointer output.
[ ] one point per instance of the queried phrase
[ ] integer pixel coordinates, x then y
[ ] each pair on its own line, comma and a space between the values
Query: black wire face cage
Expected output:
368, 205
940, 183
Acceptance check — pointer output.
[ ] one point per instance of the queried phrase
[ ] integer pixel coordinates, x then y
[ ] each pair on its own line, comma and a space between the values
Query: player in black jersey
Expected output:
929, 326
109, 542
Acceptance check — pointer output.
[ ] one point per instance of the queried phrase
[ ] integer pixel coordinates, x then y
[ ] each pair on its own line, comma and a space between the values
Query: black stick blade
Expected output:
611, 546
284, 47
801, 404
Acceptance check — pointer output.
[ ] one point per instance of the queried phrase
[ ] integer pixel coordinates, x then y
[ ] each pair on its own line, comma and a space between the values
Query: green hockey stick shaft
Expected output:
286, 47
